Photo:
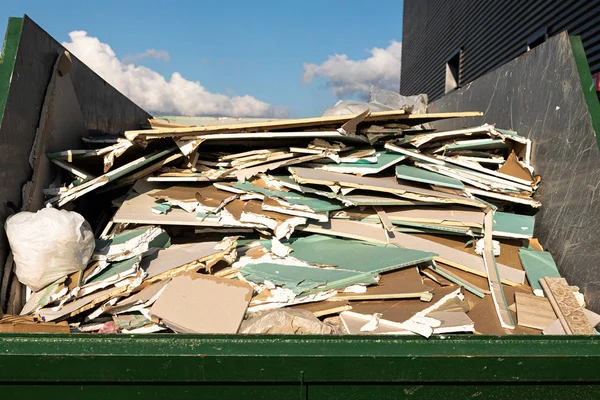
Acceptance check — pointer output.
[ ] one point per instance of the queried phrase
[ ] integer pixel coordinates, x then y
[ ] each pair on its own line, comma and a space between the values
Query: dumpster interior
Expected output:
377, 218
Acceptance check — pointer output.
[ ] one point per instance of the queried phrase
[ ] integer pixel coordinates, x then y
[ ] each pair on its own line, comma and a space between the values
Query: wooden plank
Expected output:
534, 311
566, 307
295, 123
423, 296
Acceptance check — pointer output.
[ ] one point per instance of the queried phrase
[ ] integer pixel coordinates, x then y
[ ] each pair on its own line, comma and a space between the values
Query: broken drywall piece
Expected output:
282, 207
190, 257
304, 280
47, 295
425, 138
384, 161
493, 275
414, 154
537, 265
110, 176
385, 220
81, 304
410, 173
318, 205
423, 323
386, 185
355, 255
510, 225
196, 303
137, 242
142, 299
111, 275
458, 259
477, 291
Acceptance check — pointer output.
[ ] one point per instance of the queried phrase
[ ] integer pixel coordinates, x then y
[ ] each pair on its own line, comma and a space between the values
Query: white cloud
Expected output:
347, 77
150, 53
151, 91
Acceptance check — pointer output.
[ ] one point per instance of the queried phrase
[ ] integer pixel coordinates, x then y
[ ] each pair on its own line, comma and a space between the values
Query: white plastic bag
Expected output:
48, 245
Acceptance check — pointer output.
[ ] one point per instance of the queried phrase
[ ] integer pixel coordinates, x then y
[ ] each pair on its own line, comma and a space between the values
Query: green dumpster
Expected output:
286, 367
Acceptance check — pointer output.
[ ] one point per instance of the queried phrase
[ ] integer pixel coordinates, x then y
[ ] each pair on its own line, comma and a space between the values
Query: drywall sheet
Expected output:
384, 161
509, 225
316, 203
354, 255
197, 303
176, 256
415, 174
537, 265
305, 279
547, 95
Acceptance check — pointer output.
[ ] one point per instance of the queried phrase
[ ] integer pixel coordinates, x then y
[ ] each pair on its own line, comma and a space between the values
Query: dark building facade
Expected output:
449, 43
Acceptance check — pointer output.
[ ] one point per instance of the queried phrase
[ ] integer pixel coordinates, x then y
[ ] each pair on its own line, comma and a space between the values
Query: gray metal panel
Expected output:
541, 95
490, 33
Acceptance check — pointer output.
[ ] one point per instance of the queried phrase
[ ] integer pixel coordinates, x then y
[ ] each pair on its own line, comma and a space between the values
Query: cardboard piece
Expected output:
29, 324
403, 281
512, 167
196, 303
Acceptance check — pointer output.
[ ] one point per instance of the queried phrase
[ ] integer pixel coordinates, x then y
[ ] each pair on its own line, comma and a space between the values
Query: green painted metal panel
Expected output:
151, 391
8, 58
453, 391
587, 83
287, 359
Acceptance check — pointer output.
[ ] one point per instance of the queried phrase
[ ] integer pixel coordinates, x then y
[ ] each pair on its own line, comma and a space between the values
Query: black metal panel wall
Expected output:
489, 33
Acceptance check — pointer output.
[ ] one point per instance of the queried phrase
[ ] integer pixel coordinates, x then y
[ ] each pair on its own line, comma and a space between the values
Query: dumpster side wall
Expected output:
545, 95
313, 367
23, 89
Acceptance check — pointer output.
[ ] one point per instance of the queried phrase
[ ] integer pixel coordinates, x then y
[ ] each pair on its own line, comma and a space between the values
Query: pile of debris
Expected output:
365, 224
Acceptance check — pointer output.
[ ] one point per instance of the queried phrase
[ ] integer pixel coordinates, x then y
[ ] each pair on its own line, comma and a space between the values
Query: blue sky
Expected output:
255, 48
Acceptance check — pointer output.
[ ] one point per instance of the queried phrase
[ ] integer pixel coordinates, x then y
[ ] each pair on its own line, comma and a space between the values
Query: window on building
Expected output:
453, 72
537, 38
